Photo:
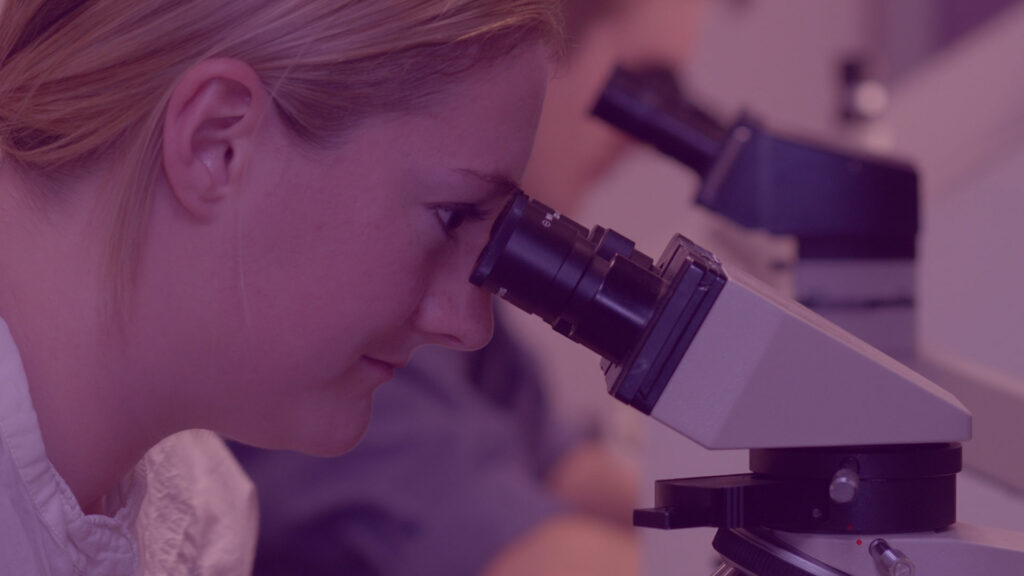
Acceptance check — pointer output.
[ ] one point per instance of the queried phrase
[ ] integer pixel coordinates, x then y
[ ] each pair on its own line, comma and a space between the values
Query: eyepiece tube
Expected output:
590, 286
595, 288
650, 106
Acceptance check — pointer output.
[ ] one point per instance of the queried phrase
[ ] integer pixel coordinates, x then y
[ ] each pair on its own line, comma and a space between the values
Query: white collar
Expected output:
95, 543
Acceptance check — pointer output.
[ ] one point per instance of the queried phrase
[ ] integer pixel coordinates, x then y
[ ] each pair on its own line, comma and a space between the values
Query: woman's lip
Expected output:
386, 369
395, 365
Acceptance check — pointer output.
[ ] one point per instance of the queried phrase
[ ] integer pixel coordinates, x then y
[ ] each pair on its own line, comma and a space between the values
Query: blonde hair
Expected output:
87, 79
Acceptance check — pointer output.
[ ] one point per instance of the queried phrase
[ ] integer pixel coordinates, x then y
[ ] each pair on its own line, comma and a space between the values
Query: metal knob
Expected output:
844, 486
890, 562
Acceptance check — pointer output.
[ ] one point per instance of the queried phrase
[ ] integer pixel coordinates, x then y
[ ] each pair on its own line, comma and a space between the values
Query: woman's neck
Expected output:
95, 421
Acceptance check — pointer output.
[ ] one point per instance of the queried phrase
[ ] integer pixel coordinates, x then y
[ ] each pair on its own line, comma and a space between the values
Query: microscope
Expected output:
853, 456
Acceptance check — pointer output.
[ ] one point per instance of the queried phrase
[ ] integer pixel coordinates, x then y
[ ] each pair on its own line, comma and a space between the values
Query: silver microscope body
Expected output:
853, 456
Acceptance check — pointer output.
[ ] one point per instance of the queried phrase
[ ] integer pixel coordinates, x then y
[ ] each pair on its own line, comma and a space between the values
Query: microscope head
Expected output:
706, 350
764, 372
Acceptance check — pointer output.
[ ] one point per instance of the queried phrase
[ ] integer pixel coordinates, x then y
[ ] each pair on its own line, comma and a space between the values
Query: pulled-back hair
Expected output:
87, 79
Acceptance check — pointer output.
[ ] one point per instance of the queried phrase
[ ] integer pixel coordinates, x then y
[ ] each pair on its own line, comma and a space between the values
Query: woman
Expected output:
470, 448
239, 216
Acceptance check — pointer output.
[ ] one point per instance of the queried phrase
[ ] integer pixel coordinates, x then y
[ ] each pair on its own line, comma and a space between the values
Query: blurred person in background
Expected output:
466, 468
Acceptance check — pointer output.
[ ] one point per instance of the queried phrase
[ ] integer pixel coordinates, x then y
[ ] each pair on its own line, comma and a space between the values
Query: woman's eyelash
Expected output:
451, 216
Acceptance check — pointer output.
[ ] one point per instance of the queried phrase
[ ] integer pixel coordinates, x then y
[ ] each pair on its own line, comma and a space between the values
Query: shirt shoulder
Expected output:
200, 512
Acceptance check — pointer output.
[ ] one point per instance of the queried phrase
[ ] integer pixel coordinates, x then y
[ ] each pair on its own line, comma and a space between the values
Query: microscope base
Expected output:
961, 550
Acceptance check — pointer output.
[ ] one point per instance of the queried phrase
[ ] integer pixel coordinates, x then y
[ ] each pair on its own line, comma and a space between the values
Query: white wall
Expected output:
961, 118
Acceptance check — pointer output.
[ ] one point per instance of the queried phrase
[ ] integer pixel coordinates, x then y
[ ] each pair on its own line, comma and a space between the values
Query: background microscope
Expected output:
854, 216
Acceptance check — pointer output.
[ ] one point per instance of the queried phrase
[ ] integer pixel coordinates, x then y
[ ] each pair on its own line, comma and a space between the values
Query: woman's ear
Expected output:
212, 118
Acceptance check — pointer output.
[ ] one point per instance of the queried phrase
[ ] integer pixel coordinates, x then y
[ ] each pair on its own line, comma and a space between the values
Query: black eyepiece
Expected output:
651, 105
589, 285
595, 288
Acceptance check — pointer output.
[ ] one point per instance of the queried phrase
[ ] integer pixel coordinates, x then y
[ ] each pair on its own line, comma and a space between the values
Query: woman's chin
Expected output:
340, 436
318, 426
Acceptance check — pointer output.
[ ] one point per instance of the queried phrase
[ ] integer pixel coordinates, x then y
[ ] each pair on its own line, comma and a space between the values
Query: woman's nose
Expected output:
455, 313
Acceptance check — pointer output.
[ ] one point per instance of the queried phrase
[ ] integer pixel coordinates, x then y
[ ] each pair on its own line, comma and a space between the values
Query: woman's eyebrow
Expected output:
500, 184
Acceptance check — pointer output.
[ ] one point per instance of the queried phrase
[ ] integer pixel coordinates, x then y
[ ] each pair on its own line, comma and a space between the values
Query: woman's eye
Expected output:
455, 215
